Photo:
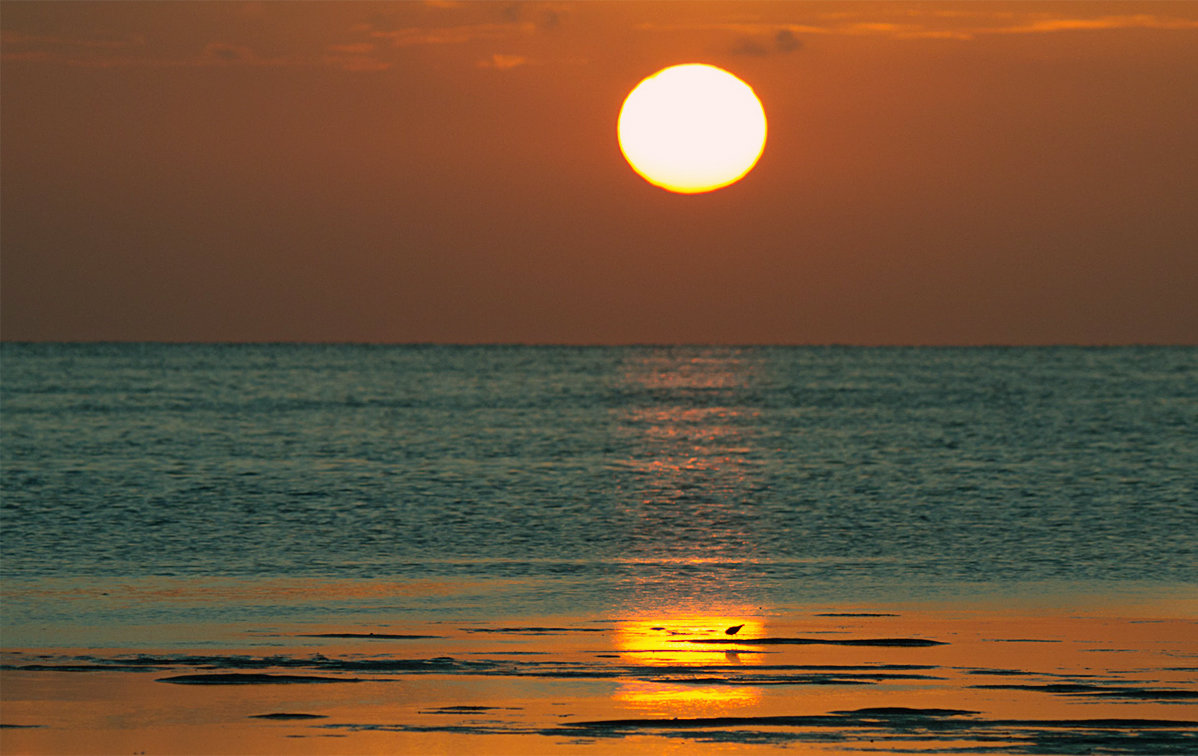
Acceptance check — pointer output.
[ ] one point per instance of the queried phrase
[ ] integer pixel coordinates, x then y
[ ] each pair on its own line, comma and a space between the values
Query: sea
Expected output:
543, 480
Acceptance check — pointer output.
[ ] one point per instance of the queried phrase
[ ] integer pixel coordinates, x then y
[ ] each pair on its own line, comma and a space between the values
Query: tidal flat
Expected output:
931, 678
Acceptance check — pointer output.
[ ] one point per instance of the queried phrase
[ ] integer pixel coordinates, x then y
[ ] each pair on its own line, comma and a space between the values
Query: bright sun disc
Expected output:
692, 128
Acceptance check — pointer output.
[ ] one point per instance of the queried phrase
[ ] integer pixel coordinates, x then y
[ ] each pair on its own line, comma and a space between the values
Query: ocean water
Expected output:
562, 479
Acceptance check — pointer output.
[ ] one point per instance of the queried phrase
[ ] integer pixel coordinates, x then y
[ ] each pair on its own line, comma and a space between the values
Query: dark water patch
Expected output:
977, 671
1099, 691
316, 663
894, 642
81, 668
778, 676
852, 667
673, 651
1106, 724
466, 709
1021, 640
235, 669
10, 726
456, 729
568, 673
535, 630
764, 681
1148, 743
288, 716
436, 665
903, 711
1000, 741
235, 661
894, 716
888, 729
375, 636
250, 678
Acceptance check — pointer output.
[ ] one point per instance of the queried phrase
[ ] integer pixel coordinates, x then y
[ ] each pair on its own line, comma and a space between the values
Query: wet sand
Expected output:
819, 680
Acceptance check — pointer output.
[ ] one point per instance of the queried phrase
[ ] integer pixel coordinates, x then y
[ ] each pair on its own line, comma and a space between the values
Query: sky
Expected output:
935, 173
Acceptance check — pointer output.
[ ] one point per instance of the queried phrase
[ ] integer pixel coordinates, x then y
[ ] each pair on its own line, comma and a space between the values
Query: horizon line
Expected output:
596, 345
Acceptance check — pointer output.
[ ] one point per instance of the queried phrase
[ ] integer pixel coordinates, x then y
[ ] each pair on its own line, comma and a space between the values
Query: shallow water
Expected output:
838, 469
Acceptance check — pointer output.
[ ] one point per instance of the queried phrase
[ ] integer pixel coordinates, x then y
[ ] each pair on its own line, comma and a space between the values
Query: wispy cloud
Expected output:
452, 35
762, 38
134, 52
10, 37
356, 48
355, 56
96, 51
1137, 21
503, 62
368, 40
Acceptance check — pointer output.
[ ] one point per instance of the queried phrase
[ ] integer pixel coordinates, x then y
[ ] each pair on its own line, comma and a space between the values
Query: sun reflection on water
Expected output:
690, 480
686, 668
691, 476
665, 698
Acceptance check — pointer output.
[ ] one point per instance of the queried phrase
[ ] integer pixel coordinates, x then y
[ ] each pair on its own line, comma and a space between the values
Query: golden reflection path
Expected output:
688, 476
690, 472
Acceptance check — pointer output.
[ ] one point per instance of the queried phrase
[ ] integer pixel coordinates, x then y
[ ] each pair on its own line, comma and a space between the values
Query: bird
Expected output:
733, 630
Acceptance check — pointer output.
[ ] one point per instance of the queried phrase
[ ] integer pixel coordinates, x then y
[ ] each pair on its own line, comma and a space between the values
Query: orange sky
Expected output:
936, 173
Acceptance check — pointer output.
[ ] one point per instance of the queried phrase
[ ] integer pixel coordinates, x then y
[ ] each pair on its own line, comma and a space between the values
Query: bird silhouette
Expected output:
733, 630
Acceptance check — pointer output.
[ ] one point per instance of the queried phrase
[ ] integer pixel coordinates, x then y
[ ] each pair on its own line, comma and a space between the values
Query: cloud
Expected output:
750, 47
549, 20
86, 51
782, 40
503, 62
543, 17
221, 53
450, 35
357, 56
786, 41
365, 41
99, 52
9, 38
764, 38
1138, 21
356, 63
357, 48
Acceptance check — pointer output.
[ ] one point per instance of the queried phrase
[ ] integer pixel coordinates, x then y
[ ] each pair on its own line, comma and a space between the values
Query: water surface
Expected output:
514, 548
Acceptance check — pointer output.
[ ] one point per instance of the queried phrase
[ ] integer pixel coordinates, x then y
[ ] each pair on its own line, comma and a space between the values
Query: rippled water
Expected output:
767, 474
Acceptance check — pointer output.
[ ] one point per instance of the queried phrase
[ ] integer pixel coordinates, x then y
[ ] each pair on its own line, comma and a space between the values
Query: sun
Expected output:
692, 128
